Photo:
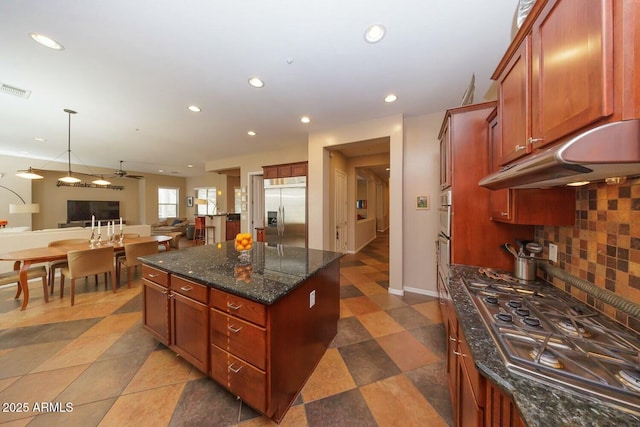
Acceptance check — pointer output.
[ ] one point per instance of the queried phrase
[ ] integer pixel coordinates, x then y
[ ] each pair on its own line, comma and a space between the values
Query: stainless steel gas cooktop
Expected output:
544, 334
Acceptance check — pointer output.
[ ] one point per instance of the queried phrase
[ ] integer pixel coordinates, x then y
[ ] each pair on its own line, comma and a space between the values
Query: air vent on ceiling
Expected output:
15, 91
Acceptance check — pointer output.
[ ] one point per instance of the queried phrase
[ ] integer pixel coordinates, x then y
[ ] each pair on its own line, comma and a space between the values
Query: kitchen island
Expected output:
257, 324
538, 403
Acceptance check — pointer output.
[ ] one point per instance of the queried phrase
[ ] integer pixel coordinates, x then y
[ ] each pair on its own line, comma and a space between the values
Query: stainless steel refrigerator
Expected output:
285, 201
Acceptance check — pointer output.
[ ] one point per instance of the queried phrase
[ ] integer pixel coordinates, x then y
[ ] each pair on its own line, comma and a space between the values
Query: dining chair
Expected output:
32, 273
199, 231
56, 265
121, 254
87, 262
130, 259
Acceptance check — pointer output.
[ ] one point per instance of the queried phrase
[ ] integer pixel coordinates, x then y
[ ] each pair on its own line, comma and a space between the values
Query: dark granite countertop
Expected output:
539, 404
270, 273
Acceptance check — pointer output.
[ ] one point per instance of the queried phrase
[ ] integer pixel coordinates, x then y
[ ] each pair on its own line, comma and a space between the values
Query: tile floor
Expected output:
385, 366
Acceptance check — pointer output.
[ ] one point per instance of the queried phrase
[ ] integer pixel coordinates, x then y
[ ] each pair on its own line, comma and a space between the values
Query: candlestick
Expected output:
93, 222
120, 223
99, 227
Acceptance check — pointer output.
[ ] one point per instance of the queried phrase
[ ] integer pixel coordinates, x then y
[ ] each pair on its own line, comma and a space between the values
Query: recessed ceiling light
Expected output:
374, 33
256, 82
39, 139
189, 166
194, 108
388, 169
161, 170
390, 98
251, 133
305, 119
46, 41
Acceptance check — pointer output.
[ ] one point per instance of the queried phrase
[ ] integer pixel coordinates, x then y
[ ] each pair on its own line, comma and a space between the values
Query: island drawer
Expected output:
189, 289
158, 277
241, 307
243, 339
242, 379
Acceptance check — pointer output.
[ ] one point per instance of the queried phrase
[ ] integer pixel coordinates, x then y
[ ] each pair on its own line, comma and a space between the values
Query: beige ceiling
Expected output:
131, 68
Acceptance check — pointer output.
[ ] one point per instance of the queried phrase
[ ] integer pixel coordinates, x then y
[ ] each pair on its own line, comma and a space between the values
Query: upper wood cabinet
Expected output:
549, 206
445, 155
513, 106
285, 170
569, 68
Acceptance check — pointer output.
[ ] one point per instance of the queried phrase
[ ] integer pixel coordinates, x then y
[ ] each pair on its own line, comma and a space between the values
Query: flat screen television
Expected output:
81, 210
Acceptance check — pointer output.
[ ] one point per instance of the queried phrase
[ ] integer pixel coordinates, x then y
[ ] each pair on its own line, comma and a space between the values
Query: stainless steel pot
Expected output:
525, 268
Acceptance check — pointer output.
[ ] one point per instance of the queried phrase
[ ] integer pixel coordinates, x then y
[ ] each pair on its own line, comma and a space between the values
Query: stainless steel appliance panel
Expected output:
285, 211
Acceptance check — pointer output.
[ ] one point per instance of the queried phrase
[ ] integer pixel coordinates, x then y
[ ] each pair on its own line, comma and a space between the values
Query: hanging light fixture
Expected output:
68, 178
101, 181
29, 174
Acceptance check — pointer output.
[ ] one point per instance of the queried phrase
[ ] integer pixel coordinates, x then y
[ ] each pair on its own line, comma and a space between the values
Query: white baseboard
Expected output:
421, 291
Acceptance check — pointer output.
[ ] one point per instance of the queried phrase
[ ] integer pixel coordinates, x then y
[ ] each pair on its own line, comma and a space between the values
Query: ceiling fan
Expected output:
121, 173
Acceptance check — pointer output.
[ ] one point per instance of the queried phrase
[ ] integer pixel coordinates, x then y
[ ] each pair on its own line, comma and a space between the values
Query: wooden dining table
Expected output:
24, 258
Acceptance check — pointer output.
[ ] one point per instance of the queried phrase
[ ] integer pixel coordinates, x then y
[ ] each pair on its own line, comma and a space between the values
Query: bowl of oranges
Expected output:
244, 244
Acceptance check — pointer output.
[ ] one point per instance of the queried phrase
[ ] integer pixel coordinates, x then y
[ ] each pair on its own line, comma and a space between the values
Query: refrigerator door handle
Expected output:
283, 220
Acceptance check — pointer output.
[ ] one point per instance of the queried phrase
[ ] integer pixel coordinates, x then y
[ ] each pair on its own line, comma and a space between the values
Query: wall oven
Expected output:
444, 236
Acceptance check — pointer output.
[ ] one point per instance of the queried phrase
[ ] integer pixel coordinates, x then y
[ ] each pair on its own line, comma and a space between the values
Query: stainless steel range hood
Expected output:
610, 150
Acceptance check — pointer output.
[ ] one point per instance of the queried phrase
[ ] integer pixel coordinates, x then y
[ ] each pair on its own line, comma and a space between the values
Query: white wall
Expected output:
8, 168
421, 178
320, 232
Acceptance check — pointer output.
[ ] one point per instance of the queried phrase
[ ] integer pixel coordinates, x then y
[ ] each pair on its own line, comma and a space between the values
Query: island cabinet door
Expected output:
156, 311
189, 330
240, 338
240, 378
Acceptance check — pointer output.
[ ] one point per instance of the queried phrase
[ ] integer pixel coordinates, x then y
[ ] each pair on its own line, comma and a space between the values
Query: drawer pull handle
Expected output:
233, 306
234, 329
452, 339
534, 140
186, 288
520, 148
234, 370
457, 353
152, 275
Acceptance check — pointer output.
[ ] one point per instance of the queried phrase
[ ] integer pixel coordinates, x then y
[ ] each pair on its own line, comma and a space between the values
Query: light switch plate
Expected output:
312, 298
553, 252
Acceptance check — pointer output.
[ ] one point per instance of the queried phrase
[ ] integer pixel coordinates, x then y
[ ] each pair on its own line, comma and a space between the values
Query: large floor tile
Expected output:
368, 362
406, 351
151, 408
343, 409
331, 376
395, 399
379, 323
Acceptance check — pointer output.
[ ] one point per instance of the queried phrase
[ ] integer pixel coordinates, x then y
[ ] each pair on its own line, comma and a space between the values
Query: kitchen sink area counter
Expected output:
539, 403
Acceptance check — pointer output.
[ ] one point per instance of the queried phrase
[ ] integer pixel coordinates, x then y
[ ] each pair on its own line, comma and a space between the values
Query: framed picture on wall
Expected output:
422, 202
189, 201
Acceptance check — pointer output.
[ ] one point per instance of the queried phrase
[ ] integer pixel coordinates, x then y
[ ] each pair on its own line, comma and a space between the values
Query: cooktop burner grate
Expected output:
544, 334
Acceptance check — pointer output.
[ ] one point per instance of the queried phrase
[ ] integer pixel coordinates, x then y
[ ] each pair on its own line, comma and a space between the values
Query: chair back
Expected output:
134, 250
68, 242
87, 262
199, 223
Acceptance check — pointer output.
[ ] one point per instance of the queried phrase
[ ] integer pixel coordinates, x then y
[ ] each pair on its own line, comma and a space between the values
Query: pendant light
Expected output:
68, 178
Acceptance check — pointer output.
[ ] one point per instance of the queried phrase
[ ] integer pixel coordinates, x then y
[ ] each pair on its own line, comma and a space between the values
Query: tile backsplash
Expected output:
603, 246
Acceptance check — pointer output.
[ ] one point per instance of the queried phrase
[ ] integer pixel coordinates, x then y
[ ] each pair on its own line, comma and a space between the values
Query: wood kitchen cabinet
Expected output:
513, 105
175, 312
155, 315
445, 156
549, 206
476, 401
189, 321
464, 131
569, 68
285, 170
233, 228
